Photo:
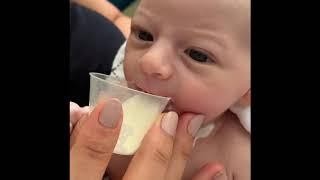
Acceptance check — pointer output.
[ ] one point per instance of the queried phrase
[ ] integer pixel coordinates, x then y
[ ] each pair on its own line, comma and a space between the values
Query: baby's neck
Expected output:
212, 127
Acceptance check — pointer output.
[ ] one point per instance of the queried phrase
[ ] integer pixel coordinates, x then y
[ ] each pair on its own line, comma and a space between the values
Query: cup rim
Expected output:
93, 75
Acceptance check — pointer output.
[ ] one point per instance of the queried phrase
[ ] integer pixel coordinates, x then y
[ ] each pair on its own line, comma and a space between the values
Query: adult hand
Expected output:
163, 154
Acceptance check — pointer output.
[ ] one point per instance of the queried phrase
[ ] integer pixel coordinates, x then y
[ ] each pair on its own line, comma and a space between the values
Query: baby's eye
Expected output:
144, 35
197, 55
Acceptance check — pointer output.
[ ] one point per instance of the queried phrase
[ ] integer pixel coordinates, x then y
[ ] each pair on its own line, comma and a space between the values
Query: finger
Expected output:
76, 113
188, 126
152, 158
221, 175
86, 109
77, 128
97, 137
211, 171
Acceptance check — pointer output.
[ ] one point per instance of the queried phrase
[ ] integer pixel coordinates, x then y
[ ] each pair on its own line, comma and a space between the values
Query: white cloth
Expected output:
117, 66
244, 114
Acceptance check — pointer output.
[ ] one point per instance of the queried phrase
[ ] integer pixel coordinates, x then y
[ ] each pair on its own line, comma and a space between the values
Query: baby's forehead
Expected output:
208, 15
193, 11
201, 6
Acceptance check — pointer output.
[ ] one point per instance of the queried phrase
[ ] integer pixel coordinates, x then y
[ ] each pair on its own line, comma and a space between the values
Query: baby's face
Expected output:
196, 52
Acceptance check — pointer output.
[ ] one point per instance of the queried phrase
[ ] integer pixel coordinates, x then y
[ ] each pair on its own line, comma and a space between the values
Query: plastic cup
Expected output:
140, 109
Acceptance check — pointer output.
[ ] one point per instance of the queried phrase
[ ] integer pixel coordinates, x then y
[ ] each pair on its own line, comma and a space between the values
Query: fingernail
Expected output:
73, 106
111, 113
169, 123
217, 175
86, 109
70, 127
195, 124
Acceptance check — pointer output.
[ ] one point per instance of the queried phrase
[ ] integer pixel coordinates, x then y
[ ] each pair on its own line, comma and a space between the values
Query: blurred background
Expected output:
126, 6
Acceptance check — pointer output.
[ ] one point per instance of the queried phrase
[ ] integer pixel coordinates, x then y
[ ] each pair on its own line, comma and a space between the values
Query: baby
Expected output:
197, 53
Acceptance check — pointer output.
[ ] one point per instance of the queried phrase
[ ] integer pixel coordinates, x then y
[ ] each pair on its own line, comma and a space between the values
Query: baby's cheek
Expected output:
193, 104
128, 70
210, 106
212, 109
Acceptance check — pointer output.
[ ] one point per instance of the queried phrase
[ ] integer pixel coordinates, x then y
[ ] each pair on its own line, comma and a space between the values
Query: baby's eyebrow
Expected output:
143, 13
143, 17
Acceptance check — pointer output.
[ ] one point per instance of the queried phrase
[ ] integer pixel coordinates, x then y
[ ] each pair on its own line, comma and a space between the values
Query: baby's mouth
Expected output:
169, 107
134, 86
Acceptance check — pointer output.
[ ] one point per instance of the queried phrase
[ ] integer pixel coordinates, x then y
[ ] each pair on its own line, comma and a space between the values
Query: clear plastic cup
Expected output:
140, 109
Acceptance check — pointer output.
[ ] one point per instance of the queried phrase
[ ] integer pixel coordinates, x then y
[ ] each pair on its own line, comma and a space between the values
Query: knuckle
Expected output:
183, 148
96, 150
185, 154
161, 156
160, 149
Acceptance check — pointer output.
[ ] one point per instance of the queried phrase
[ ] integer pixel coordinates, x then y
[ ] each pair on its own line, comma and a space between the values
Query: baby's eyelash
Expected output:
145, 36
142, 35
198, 55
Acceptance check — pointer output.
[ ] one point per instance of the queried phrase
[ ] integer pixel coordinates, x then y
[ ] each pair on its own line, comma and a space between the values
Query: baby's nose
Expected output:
156, 70
156, 64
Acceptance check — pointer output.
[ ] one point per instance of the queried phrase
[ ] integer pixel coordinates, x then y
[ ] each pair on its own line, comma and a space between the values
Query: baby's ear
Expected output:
245, 100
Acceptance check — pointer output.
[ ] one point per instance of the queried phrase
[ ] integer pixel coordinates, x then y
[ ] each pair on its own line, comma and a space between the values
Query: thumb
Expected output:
95, 141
